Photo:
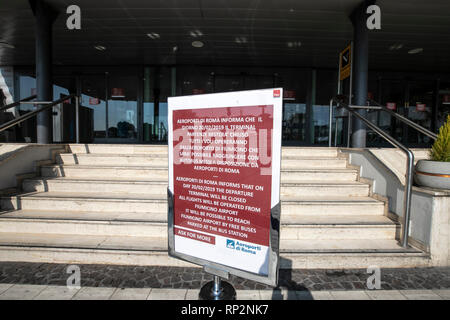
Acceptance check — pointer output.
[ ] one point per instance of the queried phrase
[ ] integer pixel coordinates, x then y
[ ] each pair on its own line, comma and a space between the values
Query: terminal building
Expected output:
81, 171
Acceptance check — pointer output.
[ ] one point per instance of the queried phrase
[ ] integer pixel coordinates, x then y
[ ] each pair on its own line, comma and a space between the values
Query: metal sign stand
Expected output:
263, 266
217, 290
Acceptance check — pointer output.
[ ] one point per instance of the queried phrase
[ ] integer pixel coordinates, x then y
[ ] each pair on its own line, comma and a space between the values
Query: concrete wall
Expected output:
17, 159
430, 208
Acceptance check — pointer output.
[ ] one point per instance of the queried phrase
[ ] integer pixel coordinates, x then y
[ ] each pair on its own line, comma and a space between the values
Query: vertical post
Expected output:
330, 128
77, 118
407, 198
173, 78
148, 129
140, 104
106, 105
216, 288
360, 65
78, 102
338, 92
156, 96
434, 110
309, 115
350, 97
336, 131
44, 17
405, 128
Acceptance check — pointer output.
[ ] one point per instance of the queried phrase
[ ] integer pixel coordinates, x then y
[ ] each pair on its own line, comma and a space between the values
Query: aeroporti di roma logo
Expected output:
230, 244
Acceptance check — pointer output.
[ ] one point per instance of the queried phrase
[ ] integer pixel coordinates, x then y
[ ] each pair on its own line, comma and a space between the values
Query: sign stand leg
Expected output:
217, 290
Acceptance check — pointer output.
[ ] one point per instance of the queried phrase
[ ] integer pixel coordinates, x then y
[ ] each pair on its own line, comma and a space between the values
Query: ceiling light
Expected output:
196, 33
100, 48
197, 44
153, 35
416, 50
396, 46
6, 45
240, 40
294, 44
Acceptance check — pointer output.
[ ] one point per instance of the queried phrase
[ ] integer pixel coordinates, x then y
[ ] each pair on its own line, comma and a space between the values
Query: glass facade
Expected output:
129, 105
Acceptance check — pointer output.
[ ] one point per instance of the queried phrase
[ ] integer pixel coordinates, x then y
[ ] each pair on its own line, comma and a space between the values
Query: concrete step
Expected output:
61, 184
161, 173
118, 148
313, 163
57, 248
328, 205
136, 186
163, 149
156, 160
99, 201
299, 175
296, 227
65, 224
79, 171
120, 202
155, 225
318, 152
159, 160
343, 189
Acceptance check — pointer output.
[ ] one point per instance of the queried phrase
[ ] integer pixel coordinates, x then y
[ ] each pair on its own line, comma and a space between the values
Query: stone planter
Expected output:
433, 174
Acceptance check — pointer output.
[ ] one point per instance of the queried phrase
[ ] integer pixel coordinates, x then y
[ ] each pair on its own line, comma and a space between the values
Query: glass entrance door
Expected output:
93, 92
122, 109
112, 100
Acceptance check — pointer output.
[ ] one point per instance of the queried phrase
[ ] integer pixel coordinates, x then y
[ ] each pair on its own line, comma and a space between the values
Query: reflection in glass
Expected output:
122, 118
321, 120
122, 108
294, 122
93, 97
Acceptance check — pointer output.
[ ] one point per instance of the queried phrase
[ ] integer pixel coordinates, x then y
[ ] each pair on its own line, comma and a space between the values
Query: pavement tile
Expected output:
56, 293
131, 294
301, 295
5, 286
350, 295
322, 295
385, 295
192, 294
94, 293
270, 294
22, 292
420, 295
167, 294
247, 295
193, 278
277, 294
443, 293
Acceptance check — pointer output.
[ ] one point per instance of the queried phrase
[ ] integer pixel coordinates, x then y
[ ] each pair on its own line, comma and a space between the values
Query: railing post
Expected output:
407, 198
77, 118
336, 131
349, 128
330, 123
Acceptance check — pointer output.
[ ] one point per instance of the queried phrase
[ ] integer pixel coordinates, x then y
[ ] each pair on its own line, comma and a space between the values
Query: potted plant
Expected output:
435, 173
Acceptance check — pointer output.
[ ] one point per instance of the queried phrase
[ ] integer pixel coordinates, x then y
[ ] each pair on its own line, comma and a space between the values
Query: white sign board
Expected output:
224, 181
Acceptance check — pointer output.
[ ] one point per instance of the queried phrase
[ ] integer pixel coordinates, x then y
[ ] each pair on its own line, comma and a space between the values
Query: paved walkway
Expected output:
115, 276
101, 282
44, 292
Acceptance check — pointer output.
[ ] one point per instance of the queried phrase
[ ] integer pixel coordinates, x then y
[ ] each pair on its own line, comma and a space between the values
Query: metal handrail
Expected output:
14, 104
31, 114
409, 166
405, 120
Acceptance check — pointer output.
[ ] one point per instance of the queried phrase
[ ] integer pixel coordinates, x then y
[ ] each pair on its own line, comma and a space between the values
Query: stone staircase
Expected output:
106, 204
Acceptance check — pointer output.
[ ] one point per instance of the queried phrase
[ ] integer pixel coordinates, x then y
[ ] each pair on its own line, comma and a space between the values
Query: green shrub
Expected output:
440, 151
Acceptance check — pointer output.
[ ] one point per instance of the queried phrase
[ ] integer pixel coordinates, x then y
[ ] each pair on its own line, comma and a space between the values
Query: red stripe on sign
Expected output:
195, 235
